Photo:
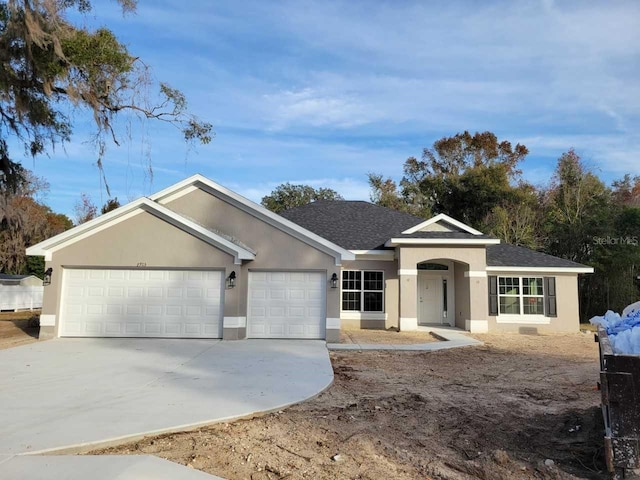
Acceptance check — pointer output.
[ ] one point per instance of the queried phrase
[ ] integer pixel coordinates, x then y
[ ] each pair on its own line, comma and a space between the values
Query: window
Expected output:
521, 295
362, 291
532, 296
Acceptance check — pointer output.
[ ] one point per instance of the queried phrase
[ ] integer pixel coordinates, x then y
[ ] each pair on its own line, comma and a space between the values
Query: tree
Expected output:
111, 204
48, 64
85, 209
384, 192
287, 196
23, 222
617, 262
465, 176
626, 191
518, 222
578, 208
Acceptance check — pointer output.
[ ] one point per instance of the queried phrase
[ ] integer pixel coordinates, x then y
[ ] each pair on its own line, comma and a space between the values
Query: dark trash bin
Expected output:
620, 390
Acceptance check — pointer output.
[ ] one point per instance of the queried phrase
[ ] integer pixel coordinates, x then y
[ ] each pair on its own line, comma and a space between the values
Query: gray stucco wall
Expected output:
463, 303
275, 249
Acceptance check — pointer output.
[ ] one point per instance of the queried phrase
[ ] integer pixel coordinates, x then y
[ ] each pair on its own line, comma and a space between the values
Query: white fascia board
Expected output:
118, 214
382, 255
128, 211
172, 191
257, 211
444, 218
541, 269
441, 241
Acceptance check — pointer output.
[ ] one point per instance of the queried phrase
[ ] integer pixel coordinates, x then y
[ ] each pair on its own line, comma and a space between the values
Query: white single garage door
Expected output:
141, 303
286, 305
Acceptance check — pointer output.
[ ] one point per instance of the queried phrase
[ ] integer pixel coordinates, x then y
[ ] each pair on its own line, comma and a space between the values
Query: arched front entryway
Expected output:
442, 286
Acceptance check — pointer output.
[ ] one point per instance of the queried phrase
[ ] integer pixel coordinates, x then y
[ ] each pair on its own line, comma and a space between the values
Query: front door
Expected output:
429, 298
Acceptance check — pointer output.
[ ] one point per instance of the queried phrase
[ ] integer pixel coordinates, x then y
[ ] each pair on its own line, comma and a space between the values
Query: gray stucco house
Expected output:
199, 260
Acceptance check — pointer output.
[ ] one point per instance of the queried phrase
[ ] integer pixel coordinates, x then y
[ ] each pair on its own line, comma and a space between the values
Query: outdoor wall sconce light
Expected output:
334, 280
231, 281
47, 276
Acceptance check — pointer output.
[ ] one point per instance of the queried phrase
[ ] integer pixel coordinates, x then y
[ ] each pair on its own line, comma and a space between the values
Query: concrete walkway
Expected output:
94, 467
452, 338
67, 395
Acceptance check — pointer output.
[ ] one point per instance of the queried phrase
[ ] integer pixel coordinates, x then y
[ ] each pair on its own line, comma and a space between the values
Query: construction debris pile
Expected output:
623, 330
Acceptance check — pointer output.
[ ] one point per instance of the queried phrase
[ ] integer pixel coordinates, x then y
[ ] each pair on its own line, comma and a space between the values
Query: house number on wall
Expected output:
142, 264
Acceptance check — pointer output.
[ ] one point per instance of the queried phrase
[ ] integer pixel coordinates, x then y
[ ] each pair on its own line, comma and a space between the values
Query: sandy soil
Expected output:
385, 337
497, 411
16, 328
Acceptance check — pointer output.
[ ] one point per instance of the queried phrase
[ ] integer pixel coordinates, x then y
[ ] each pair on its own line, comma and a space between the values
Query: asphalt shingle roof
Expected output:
354, 225
506, 255
357, 225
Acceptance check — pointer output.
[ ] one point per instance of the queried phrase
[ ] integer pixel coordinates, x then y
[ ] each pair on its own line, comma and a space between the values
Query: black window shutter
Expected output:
493, 295
550, 305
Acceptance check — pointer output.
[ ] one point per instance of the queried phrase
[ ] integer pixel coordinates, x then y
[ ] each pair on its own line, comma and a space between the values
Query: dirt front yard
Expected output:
519, 407
17, 328
377, 337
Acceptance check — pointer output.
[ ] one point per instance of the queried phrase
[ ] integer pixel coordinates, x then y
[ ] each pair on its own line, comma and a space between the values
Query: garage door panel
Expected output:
116, 292
132, 328
114, 310
155, 292
94, 309
144, 303
136, 275
116, 274
295, 330
153, 328
315, 294
174, 292
157, 275
97, 274
112, 328
213, 293
297, 294
277, 293
286, 305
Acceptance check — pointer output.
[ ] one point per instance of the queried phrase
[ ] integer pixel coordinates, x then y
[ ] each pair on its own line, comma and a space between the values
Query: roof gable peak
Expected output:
442, 218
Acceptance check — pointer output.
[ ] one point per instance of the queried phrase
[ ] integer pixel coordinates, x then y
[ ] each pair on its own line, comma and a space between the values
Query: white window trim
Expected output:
362, 292
518, 318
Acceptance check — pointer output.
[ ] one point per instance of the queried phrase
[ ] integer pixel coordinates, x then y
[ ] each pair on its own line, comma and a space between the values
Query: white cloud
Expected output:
310, 107
611, 155
326, 91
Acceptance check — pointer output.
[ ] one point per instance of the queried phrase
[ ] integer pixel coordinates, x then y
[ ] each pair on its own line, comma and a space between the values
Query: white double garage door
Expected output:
188, 303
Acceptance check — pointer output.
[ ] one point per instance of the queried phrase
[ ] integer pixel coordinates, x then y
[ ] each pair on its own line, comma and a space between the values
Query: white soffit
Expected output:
128, 211
444, 218
382, 255
519, 270
441, 241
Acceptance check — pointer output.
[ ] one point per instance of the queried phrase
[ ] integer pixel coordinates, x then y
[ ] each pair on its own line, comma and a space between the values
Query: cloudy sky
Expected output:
323, 92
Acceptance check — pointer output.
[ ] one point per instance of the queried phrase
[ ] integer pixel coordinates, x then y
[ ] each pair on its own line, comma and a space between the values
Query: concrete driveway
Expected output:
68, 393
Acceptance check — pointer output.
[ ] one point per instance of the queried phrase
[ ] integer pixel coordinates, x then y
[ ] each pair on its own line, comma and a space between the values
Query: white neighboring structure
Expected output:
20, 292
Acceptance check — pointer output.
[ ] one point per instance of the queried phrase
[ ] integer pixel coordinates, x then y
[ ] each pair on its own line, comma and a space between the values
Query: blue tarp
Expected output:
623, 330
